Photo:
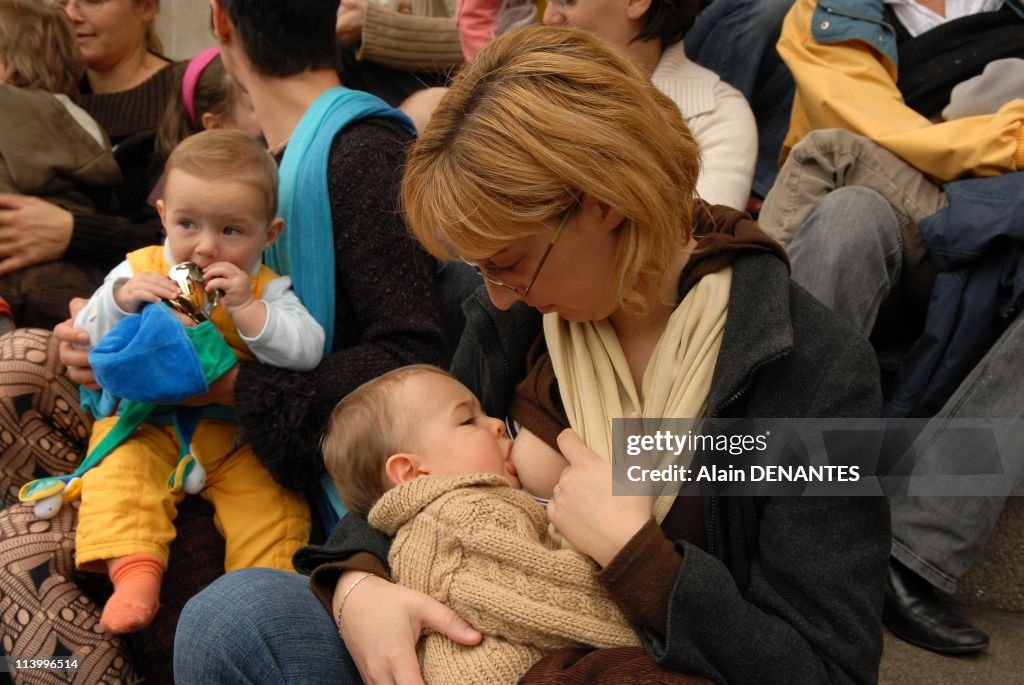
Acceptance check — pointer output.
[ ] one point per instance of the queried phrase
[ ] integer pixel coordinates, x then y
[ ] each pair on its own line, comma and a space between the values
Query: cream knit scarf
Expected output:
596, 386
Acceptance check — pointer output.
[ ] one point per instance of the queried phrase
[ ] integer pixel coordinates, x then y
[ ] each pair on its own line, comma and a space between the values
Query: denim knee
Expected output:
259, 626
853, 221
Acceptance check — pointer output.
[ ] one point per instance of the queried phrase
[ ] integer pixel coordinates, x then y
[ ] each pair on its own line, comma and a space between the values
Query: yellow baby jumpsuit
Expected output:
128, 508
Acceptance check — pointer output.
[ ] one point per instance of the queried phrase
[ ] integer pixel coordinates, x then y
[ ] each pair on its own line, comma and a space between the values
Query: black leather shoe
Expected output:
913, 613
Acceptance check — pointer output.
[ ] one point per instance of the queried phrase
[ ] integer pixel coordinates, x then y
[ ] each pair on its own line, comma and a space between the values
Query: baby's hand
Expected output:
144, 288
233, 284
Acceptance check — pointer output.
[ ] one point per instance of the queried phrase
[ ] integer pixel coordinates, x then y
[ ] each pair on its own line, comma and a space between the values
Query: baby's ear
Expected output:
403, 467
274, 232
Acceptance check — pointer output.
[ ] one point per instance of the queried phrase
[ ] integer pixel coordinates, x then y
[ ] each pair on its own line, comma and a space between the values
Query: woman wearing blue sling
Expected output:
352, 260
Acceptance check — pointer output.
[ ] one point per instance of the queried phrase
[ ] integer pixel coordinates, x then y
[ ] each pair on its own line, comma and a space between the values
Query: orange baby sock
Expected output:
136, 579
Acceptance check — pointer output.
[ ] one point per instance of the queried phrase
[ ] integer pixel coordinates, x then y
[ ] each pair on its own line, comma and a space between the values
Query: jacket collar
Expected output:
758, 329
835, 21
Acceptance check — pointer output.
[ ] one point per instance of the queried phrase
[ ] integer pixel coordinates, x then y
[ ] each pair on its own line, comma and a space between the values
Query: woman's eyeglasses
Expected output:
518, 289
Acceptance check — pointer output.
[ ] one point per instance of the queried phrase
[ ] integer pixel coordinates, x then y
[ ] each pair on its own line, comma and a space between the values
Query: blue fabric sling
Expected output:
305, 250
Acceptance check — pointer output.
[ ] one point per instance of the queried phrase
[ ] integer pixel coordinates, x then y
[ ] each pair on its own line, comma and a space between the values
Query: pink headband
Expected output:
188, 83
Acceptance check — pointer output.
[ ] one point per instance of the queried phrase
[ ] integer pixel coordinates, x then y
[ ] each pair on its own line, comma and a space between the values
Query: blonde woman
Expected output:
555, 167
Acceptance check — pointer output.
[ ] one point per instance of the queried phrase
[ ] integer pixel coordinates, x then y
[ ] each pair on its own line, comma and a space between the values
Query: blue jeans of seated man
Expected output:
848, 254
940, 537
723, 39
259, 626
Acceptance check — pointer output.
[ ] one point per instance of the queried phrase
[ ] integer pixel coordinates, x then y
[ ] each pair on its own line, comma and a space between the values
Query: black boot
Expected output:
913, 613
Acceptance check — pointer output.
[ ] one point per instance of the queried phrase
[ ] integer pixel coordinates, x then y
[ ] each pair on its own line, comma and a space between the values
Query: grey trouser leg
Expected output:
849, 255
940, 537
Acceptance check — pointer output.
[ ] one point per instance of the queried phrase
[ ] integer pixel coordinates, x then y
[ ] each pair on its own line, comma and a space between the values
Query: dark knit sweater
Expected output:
130, 119
386, 312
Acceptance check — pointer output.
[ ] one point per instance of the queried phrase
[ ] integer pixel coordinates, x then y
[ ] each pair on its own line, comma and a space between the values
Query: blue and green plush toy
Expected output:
145, 365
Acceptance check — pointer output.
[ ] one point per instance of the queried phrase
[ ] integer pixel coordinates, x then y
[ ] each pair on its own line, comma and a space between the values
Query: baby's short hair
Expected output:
228, 154
37, 45
366, 428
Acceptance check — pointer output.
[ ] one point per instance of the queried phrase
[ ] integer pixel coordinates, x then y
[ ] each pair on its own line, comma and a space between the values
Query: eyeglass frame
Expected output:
518, 290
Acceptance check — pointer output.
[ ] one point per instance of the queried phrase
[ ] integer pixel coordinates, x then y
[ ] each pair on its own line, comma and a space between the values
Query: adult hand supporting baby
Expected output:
76, 360
584, 509
382, 622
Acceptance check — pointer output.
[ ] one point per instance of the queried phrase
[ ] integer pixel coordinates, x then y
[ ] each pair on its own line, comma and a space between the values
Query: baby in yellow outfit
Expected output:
218, 210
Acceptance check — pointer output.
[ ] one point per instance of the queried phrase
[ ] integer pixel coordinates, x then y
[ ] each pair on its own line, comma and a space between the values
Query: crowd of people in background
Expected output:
584, 210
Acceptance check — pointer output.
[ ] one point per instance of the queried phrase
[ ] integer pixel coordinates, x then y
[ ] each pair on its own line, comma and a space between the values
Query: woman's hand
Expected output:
349, 26
76, 360
583, 508
381, 623
32, 231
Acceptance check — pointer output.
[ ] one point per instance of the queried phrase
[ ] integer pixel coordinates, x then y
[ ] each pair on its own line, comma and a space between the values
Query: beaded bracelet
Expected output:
344, 597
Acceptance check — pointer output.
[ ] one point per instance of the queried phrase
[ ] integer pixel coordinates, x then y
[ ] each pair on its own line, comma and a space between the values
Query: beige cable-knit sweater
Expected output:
482, 548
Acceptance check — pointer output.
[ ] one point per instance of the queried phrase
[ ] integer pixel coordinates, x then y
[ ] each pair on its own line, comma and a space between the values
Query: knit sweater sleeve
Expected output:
386, 312
487, 559
425, 40
102, 240
727, 136
130, 119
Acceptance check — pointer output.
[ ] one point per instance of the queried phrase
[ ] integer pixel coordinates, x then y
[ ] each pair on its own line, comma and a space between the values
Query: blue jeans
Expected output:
847, 253
259, 626
736, 40
940, 537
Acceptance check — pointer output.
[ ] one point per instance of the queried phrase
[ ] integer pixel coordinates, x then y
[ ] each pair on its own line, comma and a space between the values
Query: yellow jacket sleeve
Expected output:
852, 86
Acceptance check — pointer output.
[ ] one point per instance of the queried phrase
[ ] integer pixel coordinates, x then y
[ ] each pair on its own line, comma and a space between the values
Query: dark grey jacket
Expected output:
791, 588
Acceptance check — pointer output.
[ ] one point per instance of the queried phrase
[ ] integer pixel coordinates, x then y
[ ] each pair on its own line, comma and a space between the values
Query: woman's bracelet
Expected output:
344, 597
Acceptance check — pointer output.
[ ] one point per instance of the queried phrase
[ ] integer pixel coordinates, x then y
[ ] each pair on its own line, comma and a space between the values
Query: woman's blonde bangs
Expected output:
541, 118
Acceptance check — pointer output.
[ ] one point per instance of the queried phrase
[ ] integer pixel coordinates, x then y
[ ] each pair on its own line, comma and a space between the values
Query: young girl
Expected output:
206, 98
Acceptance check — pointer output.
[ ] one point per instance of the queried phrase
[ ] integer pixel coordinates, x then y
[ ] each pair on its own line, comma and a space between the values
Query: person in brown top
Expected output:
48, 253
559, 171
